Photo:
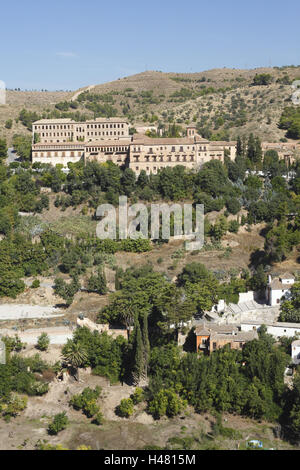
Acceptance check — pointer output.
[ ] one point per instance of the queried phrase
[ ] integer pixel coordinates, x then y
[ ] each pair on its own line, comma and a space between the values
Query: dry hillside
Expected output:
222, 101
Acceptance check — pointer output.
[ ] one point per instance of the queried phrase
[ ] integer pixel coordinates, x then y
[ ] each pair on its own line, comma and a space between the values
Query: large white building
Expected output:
63, 141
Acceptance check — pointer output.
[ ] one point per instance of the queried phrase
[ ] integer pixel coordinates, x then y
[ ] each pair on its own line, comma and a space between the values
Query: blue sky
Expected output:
76, 43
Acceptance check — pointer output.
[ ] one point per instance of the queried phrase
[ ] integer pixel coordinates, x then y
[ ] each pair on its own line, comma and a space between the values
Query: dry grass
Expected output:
270, 103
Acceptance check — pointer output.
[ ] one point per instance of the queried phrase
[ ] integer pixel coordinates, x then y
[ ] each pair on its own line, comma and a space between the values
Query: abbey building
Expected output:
60, 141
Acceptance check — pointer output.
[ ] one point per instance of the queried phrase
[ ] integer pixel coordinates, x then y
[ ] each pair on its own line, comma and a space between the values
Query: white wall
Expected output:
274, 330
277, 295
246, 296
288, 281
56, 160
296, 354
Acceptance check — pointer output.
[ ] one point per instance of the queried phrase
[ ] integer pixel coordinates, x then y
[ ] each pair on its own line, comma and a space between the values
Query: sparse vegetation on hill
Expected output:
224, 102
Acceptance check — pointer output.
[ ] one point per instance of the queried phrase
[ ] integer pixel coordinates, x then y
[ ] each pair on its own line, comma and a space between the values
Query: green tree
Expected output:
74, 354
138, 369
98, 283
175, 307
290, 309
3, 149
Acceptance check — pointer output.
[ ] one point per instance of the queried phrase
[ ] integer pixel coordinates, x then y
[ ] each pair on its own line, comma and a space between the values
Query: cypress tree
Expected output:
138, 353
146, 344
239, 147
251, 148
258, 151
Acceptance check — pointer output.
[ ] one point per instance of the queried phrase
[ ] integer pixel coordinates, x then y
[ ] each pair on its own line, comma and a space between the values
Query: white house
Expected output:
278, 288
296, 352
276, 329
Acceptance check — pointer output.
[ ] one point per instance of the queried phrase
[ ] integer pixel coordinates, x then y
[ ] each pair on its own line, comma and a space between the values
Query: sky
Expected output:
69, 44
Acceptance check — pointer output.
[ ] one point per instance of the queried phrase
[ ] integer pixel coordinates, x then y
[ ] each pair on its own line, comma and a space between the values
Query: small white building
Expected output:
296, 352
277, 288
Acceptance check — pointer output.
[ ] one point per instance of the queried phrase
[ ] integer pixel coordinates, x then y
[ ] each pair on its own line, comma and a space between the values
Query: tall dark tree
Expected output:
239, 147
146, 345
138, 369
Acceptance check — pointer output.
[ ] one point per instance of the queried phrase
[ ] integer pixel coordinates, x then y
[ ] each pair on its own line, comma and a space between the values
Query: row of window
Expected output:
105, 126
105, 133
107, 149
173, 149
70, 126
56, 154
57, 134
168, 158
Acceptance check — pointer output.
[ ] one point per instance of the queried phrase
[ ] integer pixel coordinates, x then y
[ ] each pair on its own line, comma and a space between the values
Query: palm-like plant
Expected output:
74, 354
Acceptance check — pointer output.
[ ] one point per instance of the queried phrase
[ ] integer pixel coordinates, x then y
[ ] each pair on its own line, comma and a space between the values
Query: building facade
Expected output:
210, 338
53, 131
63, 141
277, 288
296, 352
276, 329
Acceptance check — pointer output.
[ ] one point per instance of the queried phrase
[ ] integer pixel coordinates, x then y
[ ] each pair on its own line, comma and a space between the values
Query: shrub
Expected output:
15, 405
166, 402
59, 422
233, 226
13, 344
126, 408
36, 284
8, 124
43, 342
138, 396
98, 419
86, 401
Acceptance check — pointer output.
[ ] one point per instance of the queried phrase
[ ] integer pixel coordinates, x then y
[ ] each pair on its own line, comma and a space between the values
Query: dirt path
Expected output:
23, 311
57, 335
90, 87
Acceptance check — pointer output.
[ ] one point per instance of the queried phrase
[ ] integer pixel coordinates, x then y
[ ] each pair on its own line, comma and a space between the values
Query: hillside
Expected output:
36, 101
223, 102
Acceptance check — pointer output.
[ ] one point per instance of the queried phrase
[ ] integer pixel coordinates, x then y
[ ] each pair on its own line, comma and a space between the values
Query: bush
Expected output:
86, 401
138, 396
43, 342
36, 284
15, 405
233, 206
126, 408
8, 124
166, 402
59, 422
98, 419
233, 226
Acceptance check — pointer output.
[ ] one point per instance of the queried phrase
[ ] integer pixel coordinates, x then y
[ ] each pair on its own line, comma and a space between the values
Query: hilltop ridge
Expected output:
223, 102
